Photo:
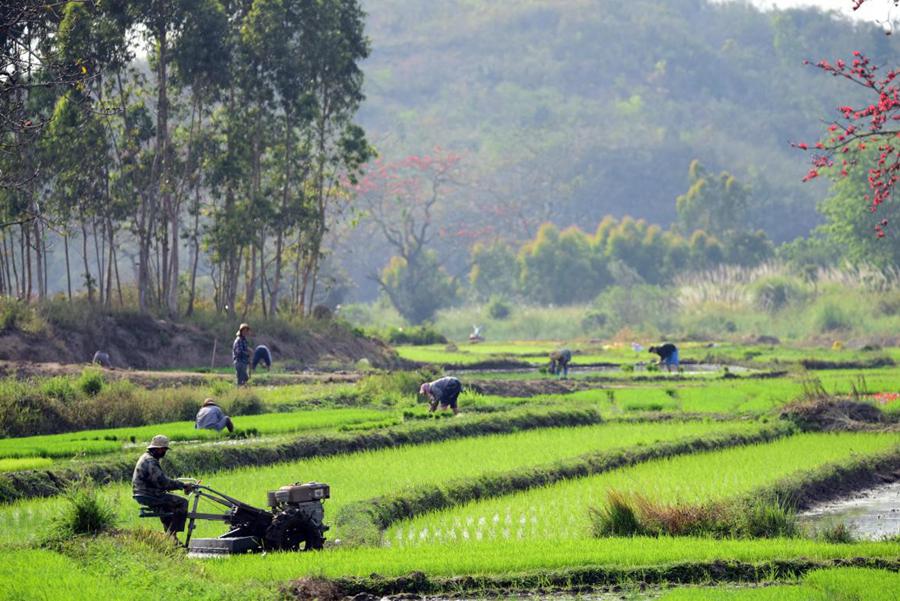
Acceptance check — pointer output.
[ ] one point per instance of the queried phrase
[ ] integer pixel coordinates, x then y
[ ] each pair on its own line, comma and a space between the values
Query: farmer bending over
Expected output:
668, 355
150, 487
211, 417
559, 362
443, 393
261, 354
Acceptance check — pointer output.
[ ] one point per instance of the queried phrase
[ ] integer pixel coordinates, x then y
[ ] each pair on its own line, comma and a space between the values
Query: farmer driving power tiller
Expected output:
293, 522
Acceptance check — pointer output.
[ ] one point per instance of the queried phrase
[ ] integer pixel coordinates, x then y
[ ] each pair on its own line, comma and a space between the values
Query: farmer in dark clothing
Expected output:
559, 362
150, 487
668, 355
443, 393
262, 355
240, 354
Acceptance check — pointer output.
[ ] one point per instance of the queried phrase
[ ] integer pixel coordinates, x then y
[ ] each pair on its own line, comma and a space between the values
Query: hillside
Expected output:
574, 109
136, 341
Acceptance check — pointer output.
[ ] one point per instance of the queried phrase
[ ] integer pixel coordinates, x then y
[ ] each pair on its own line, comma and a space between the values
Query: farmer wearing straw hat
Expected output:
150, 487
211, 417
240, 354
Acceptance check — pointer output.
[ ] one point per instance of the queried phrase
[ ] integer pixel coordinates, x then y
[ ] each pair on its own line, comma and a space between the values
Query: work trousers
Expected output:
176, 507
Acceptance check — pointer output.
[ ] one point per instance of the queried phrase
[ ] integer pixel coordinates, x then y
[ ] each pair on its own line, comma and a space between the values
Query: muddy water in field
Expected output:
871, 514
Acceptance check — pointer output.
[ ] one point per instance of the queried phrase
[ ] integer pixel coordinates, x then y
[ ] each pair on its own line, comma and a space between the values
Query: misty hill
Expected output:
582, 108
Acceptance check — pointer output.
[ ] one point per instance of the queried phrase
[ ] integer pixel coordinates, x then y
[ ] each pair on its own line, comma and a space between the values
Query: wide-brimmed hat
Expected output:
208, 402
425, 388
159, 442
242, 327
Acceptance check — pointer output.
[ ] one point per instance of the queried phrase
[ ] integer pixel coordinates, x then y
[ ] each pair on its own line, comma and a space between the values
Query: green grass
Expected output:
843, 584
560, 511
114, 570
29, 463
359, 476
522, 556
94, 442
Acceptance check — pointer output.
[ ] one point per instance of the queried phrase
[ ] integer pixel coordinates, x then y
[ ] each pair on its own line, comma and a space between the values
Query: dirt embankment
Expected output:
136, 341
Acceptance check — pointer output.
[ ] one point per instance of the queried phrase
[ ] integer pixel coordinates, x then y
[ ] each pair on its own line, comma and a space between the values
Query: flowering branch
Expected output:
861, 128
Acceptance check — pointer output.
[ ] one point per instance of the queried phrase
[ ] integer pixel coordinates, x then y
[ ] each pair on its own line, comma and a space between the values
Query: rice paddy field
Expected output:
469, 507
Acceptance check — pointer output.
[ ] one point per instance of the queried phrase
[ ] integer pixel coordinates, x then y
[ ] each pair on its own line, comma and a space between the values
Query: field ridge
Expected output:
591, 577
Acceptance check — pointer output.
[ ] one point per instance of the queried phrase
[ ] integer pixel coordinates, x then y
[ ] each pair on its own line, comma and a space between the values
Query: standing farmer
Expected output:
240, 354
443, 393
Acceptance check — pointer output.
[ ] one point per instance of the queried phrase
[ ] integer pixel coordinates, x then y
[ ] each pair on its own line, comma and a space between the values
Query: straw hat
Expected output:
208, 402
243, 326
425, 388
159, 442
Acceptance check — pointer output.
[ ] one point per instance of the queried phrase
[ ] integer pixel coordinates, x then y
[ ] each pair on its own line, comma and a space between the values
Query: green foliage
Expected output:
616, 518
416, 335
86, 512
557, 267
499, 308
495, 270
90, 382
418, 290
774, 293
716, 204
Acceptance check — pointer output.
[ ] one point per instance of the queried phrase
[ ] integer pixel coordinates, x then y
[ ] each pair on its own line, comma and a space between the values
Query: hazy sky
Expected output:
872, 10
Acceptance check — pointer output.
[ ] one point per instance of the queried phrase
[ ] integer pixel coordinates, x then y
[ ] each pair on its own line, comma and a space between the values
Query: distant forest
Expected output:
570, 110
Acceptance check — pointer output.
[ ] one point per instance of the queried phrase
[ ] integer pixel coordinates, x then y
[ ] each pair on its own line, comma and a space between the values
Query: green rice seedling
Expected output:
842, 584
560, 511
29, 463
364, 475
503, 557
96, 442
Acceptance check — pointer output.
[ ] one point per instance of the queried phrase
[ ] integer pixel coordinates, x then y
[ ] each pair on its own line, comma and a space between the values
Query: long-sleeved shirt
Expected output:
211, 417
446, 389
240, 350
149, 479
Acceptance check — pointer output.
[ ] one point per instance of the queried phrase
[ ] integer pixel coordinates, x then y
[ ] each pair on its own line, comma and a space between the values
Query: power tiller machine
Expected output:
294, 521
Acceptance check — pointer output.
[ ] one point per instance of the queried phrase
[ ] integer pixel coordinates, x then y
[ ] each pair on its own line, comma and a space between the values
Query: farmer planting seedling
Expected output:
559, 362
668, 355
442, 393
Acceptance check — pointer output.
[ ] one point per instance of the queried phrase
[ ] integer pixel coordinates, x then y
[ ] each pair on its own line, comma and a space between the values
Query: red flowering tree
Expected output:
856, 130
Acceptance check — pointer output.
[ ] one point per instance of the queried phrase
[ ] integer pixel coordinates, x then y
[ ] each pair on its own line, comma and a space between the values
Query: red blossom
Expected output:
857, 128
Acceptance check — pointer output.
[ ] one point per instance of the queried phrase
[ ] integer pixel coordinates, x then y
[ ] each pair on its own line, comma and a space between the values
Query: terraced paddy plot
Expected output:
845, 584
560, 511
359, 476
524, 556
96, 442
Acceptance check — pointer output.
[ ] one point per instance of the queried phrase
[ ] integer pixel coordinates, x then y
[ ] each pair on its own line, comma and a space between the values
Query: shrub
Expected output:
838, 533
59, 388
617, 518
90, 382
829, 317
499, 309
417, 335
763, 518
244, 402
775, 292
85, 512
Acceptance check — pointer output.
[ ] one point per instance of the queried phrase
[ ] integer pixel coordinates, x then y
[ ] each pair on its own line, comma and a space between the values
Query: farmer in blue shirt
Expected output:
559, 362
211, 417
240, 354
443, 393
668, 355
